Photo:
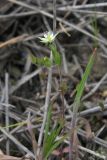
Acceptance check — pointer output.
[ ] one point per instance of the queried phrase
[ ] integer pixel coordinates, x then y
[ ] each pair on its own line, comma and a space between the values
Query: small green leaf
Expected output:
45, 61
56, 54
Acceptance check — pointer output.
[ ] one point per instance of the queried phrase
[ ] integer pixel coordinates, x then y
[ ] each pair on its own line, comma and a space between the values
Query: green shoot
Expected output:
45, 61
81, 85
48, 39
79, 89
50, 143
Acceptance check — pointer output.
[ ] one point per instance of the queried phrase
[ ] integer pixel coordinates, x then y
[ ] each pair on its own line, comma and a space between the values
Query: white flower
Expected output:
49, 37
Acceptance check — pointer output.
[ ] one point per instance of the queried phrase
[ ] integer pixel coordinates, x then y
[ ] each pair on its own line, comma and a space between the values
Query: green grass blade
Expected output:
81, 86
77, 100
54, 146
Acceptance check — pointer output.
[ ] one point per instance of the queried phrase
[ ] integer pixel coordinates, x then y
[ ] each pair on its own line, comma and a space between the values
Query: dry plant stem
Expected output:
44, 18
74, 2
62, 109
99, 13
15, 141
64, 61
94, 5
54, 16
34, 143
96, 140
62, 94
84, 2
95, 88
77, 64
94, 110
59, 68
13, 40
71, 25
45, 107
89, 27
24, 80
92, 152
7, 111
16, 15
73, 125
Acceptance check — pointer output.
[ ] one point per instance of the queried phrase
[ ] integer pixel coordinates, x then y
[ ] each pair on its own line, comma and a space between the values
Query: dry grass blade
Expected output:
71, 25
34, 143
87, 127
7, 109
93, 5
97, 155
13, 40
6, 157
15, 141
96, 87
24, 80
75, 145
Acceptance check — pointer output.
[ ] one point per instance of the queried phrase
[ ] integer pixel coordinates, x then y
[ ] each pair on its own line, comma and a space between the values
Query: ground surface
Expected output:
23, 85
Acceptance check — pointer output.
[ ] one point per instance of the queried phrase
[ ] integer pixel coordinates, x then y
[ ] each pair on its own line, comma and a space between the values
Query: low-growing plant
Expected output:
48, 39
49, 140
50, 143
